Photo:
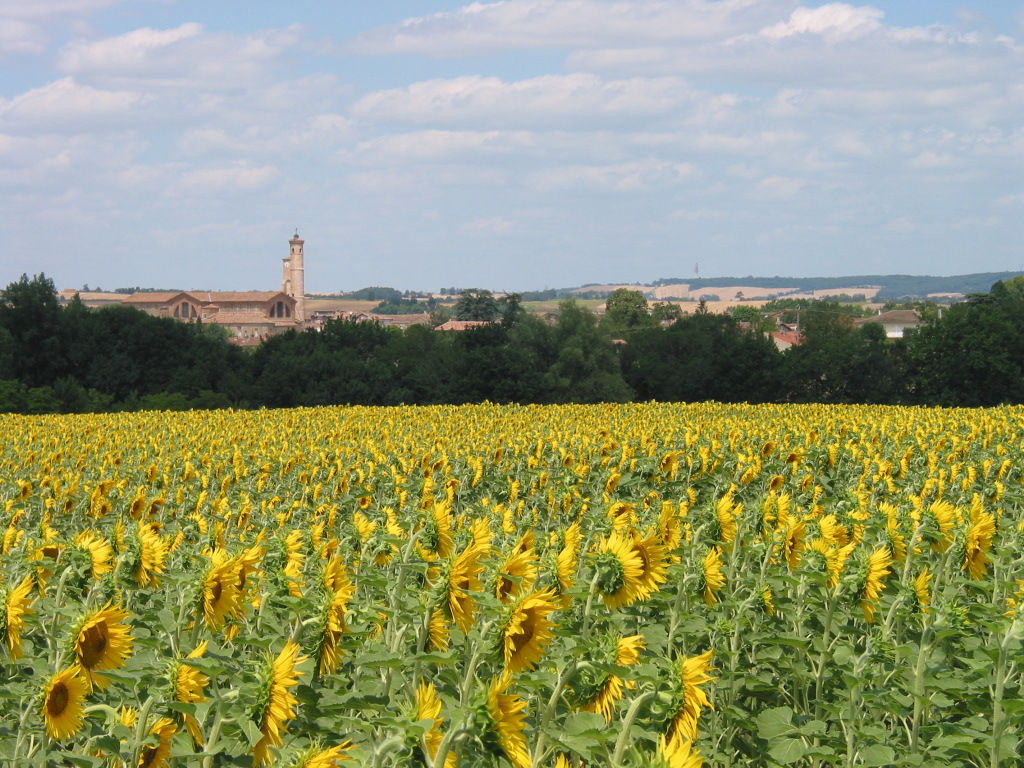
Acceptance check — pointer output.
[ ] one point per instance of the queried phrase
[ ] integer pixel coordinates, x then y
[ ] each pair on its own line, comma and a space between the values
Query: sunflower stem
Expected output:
627, 725
140, 729
549, 710
585, 632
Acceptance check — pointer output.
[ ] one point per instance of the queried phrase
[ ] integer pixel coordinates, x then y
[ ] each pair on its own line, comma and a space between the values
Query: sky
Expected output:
514, 145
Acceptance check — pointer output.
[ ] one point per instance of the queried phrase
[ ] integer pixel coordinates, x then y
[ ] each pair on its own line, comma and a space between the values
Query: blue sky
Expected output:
508, 145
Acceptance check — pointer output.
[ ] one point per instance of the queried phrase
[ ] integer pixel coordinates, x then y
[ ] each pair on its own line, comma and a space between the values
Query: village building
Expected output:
249, 316
896, 321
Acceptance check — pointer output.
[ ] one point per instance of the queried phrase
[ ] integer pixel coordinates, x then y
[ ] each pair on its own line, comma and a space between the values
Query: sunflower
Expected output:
528, 630
277, 703
978, 542
439, 630
693, 673
677, 752
939, 520
100, 552
922, 590
428, 707
874, 569
609, 690
189, 684
294, 557
63, 703
827, 558
315, 757
102, 641
516, 575
14, 605
155, 755
221, 595
712, 578
334, 627
654, 563
505, 712
151, 557
619, 571
458, 579
725, 517
793, 542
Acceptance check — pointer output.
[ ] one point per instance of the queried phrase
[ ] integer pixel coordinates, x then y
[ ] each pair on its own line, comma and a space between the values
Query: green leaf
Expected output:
775, 722
877, 754
787, 751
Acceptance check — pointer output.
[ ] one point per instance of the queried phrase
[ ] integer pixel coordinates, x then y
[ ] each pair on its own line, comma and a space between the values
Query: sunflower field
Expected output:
513, 587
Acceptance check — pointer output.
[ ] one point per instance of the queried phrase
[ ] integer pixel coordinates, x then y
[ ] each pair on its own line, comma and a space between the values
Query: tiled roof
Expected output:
152, 298
461, 325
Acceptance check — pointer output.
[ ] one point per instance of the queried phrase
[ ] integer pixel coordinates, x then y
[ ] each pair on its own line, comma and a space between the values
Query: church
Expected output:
249, 316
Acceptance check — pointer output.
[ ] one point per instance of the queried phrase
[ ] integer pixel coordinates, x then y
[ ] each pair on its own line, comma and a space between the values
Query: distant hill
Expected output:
889, 286
873, 287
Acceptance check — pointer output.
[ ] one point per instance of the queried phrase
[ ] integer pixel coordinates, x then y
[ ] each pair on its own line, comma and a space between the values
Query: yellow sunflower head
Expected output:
527, 630
14, 605
157, 749
102, 641
276, 703
64, 703
619, 571
505, 714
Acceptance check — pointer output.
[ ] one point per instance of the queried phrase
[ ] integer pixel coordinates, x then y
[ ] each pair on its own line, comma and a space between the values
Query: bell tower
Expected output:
293, 282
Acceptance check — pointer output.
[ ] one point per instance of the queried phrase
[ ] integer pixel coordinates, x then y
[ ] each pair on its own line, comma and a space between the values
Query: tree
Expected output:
626, 309
30, 312
477, 304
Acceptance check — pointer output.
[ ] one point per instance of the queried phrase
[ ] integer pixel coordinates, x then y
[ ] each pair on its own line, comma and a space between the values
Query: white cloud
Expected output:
19, 37
620, 177
833, 21
484, 28
45, 9
67, 106
237, 176
778, 188
185, 56
551, 99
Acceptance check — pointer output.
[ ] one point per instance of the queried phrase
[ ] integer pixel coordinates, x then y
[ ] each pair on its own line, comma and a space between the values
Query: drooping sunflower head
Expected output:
99, 550
871, 570
157, 749
506, 717
64, 703
316, 756
527, 630
619, 571
654, 563
102, 640
275, 704
712, 579
516, 575
14, 605
221, 594
677, 752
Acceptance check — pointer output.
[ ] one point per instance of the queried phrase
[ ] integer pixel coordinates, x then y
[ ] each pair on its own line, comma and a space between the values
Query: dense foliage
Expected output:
76, 359
631, 586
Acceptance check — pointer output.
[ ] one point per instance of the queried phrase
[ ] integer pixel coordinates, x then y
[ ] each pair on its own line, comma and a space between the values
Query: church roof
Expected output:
152, 298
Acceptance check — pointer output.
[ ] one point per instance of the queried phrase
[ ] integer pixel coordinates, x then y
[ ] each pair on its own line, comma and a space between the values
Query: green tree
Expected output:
626, 309
477, 304
30, 311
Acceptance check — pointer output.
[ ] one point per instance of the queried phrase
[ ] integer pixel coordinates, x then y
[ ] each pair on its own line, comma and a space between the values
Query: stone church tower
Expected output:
293, 283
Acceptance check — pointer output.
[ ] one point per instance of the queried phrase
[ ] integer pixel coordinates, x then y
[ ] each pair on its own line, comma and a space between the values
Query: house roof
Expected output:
461, 325
210, 297
152, 298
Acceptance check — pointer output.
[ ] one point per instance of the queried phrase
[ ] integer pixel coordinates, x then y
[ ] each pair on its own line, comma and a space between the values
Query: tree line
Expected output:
72, 358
